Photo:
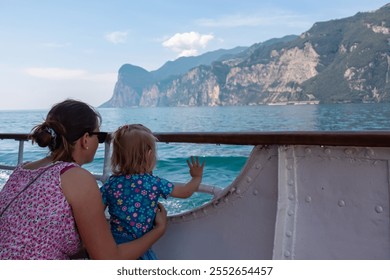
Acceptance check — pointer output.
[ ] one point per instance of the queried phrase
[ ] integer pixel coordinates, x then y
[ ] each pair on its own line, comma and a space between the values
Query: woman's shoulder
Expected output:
78, 182
74, 170
44, 164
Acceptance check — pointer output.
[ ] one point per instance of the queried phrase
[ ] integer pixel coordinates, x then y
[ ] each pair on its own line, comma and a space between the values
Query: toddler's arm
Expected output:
196, 172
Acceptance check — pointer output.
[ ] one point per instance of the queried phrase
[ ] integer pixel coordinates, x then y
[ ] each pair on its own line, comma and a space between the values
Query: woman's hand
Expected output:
160, 222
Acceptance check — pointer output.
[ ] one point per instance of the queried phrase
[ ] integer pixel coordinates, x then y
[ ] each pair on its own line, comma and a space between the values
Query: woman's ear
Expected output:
84, 141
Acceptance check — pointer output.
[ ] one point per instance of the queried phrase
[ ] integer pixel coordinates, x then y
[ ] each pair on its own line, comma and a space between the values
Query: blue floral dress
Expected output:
132, 204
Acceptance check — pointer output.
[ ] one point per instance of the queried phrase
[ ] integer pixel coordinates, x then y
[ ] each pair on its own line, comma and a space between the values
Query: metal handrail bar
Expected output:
373, 138
323, 138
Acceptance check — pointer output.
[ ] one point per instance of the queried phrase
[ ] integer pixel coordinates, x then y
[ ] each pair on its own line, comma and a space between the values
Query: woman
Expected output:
51, 206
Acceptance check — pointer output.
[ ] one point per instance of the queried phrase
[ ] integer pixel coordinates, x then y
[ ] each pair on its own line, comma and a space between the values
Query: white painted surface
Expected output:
292, 202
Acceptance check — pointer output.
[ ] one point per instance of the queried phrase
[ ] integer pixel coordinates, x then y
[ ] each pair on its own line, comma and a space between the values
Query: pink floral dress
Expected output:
39, 223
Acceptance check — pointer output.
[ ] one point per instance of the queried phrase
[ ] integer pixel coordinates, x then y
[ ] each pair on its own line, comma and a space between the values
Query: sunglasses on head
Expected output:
102, 136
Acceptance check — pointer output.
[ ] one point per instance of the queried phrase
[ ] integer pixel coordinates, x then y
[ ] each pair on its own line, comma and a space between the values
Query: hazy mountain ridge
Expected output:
344, 60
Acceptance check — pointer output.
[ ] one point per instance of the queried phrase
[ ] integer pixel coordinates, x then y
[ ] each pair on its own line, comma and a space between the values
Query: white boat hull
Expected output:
292, 202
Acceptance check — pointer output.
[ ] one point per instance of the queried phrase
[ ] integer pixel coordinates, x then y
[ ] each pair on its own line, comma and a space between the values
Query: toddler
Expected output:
132, 192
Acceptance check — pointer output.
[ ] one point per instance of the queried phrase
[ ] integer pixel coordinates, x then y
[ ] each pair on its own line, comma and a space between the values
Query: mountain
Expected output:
132, 79
183, 64
344, 60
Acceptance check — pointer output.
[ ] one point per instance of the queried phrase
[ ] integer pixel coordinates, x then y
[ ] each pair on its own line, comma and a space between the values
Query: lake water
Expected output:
223, 163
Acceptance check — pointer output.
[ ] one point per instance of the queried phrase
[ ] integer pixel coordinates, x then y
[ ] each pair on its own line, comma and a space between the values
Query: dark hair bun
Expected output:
41, 136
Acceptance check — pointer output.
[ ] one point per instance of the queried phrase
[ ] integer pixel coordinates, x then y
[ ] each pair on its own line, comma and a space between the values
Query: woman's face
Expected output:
92, 146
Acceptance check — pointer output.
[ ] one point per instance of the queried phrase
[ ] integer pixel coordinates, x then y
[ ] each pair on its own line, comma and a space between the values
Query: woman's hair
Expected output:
134, 150
66, 122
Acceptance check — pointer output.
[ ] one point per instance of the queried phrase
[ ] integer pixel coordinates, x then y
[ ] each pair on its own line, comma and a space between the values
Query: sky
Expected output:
51, 50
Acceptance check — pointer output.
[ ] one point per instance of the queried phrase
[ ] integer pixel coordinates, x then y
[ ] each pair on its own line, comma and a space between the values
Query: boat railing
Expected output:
322, 138
279, 138
17, 137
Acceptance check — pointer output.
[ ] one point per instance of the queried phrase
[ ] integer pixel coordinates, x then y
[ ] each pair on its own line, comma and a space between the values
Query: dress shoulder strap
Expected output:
25, 188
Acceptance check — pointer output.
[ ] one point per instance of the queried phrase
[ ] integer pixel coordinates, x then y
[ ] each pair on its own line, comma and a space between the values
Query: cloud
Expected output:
51, 73
187, 44
116, 37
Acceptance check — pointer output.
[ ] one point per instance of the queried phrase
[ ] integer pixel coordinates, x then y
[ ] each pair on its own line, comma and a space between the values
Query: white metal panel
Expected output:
333, 203
239, 224
292, 202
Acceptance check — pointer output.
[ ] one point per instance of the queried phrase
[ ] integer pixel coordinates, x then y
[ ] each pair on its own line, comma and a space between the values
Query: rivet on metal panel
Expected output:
369, 152
225, 199
255, 192
216, 203
238, 191
258, 166
327, 151
289, 167
308, 150
291, 197
204, 211
248, 179
290, 213
287, 254
291, 182
341, 203
308, 199
261, 148
289, 234
348, 151
379, 209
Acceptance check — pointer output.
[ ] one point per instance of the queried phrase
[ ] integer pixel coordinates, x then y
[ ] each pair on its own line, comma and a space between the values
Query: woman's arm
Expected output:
82, 192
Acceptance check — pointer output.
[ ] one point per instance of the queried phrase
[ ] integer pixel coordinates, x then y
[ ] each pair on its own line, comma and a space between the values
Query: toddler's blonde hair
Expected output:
134, 150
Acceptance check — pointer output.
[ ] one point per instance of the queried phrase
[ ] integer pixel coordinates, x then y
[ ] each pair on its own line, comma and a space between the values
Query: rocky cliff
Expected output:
345, 60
